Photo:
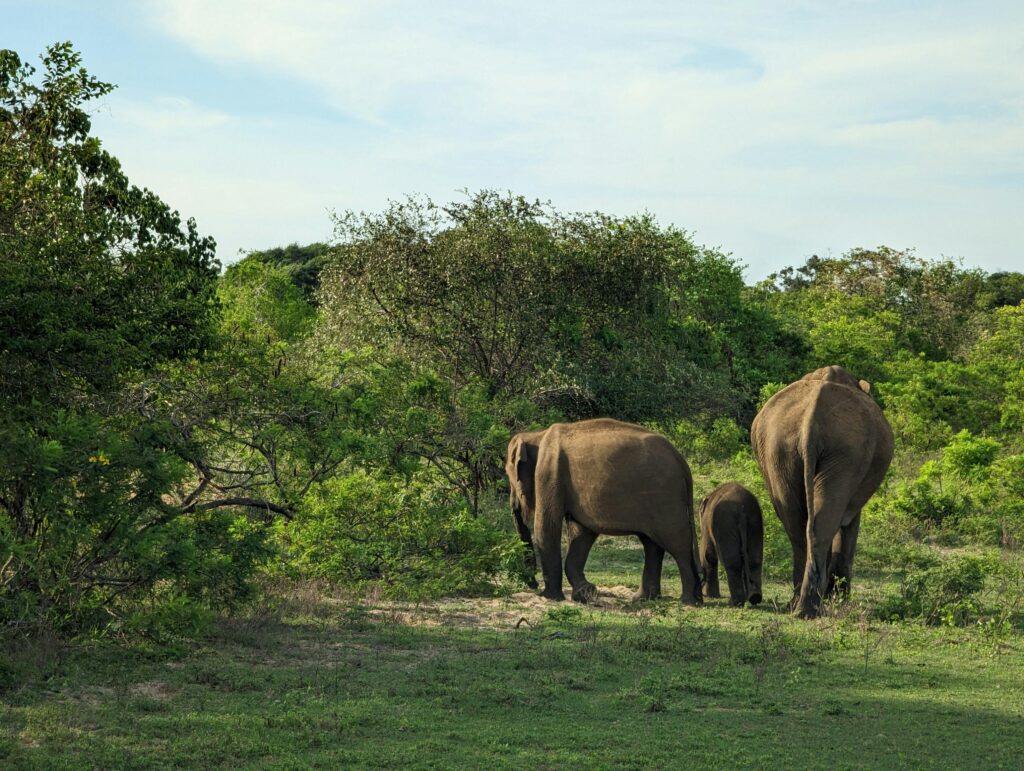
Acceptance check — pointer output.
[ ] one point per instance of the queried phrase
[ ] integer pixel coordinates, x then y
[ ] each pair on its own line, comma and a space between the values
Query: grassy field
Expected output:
521, 682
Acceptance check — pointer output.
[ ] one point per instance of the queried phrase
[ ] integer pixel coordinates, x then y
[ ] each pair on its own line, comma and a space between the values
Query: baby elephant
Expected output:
731, 530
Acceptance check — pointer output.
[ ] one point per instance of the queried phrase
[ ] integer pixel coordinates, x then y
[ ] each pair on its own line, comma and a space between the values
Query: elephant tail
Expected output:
745, 557
809, 471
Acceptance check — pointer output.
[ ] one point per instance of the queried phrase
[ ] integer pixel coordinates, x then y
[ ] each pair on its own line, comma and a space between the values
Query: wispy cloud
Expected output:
754, 123
171, 114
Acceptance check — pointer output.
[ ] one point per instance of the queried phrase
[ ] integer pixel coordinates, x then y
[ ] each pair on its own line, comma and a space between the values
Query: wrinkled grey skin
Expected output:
602, 477
732, 532
823, 446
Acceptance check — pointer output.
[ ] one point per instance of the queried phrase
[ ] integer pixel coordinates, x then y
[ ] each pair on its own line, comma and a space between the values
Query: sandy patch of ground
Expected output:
92, 695
510, 612
154, 689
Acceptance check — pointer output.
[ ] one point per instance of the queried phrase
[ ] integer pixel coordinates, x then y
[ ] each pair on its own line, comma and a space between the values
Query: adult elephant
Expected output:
732, 531
602, 477
823, 446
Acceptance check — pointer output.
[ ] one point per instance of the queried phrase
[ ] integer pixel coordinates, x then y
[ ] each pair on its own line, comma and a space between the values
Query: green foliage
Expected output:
851, 331
971, 494
926, 402
100, 286
302, 264
998, 353
720, 441
924, 500
261, 301
945, 593
1002, 288
99, 277
401, 536
768, 390
864, 308
588, 314
969, 456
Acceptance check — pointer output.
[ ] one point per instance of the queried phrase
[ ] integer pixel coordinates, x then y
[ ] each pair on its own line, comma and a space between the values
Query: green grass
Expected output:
332, 683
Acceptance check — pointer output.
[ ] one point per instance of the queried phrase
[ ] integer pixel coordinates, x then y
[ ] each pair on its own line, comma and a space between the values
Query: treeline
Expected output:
170, 433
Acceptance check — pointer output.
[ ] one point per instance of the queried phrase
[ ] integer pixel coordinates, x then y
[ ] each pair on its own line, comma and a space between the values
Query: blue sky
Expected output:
774, 130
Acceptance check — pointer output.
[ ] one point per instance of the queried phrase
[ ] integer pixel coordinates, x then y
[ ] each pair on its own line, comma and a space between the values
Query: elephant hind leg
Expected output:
730, 551
679, 543
581, 540
790, 503
841, 564
650, 581
753, 559
831, 499
709, 567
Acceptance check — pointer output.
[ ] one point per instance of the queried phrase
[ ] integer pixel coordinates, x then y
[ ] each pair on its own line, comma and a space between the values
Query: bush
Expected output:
701, 443
945, 593
969, 493
99, 539
925, 502
969, 456
409, 539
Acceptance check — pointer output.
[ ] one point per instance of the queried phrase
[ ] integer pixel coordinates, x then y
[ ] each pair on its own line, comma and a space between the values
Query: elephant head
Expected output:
521, 467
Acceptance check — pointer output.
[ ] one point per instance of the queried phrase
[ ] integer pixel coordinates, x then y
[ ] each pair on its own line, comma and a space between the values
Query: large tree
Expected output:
101, 284
508, 312
595, 314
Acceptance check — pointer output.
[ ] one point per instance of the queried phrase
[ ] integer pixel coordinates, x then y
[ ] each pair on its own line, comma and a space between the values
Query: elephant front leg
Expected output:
575, 559
548, 542
529, 555
650, 580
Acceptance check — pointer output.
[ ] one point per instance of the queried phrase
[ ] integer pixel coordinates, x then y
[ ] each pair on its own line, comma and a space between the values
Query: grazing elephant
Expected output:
732, 531
823, 446
602, 477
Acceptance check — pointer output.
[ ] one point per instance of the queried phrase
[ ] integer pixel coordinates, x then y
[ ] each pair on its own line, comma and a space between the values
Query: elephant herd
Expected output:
823, 446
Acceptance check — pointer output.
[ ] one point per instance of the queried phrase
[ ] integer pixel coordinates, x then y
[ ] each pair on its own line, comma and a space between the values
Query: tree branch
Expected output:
256, 503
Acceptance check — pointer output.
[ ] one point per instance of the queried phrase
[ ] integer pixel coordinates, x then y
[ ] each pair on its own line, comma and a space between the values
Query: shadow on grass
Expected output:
654, 685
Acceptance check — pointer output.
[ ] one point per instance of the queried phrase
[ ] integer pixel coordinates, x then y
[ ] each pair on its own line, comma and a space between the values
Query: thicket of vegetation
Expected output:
168, 433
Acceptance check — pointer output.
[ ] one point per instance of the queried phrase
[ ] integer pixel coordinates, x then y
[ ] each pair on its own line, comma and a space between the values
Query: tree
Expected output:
508, 312
101, 285
259, 419
589, 313
1003, 288
303, 263
859, 309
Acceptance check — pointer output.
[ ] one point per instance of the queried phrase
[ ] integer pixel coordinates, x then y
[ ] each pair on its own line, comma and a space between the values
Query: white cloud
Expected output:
170, 114
757, 124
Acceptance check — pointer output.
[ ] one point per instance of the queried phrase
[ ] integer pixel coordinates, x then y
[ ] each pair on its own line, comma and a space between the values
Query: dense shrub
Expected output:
101, 286
707, 441
406, 537
944, 593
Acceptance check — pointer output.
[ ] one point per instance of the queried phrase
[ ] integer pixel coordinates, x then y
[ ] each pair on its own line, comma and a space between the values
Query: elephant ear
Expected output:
526, 467
865, 386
